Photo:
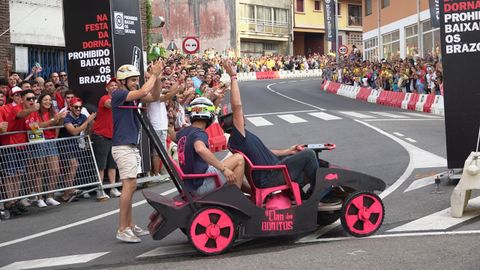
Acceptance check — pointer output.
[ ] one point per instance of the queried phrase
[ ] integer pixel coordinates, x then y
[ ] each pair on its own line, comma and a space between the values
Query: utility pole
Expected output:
419, 40
380, 47
336, 31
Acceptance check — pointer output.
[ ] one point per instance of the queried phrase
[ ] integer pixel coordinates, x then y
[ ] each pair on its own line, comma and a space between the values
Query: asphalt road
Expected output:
401, 147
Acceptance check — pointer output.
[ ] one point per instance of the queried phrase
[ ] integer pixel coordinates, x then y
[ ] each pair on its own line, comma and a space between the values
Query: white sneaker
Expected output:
128, 236
25, 202
139, 231
101, 196
52, 202
114, 192
41, 203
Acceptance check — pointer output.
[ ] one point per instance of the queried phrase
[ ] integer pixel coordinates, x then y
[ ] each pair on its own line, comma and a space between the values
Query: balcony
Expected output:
355, 21
262, 26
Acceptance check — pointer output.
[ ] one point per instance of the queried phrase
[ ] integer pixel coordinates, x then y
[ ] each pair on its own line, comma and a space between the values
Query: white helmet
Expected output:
201, 109
126, 71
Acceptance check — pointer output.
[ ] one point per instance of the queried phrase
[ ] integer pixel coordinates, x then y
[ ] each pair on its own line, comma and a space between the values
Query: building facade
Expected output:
211, 21
247, 27
399, 29
309, 26
264, 27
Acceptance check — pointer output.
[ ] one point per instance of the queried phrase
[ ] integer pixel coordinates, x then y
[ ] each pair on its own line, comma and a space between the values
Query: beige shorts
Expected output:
127, 158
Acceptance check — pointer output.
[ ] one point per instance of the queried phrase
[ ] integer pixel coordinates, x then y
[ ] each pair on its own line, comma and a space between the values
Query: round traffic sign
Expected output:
191, 45
343, 50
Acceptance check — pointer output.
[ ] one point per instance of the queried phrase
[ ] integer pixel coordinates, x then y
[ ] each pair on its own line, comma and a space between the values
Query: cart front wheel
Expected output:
362, 214
212, 230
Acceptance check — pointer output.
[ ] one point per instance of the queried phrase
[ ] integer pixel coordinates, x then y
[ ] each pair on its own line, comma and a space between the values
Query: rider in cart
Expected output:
302, 163
195, 157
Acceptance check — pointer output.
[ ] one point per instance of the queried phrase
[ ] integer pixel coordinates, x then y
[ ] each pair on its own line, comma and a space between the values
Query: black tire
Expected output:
366, 221
5, 214
327, 218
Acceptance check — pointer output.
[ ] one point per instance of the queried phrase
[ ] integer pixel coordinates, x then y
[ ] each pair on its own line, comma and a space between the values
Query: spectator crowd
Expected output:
47, 108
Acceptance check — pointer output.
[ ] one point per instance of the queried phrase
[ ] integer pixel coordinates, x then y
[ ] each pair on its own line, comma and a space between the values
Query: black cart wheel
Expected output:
362, 214
4, 214
212, 230
327, 218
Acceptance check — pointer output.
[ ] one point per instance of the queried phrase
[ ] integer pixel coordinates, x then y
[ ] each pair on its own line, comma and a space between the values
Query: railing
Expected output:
42, 167
262, 26
354, 21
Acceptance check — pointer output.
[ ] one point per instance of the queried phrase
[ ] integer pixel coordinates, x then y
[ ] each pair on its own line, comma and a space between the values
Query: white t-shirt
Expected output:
157, 112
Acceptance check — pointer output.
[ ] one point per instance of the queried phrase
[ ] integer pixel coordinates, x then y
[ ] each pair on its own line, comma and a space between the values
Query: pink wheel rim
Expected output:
212, 231
364, 214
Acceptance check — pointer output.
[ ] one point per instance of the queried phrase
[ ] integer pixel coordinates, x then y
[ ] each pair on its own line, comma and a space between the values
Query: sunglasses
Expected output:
30, 99
77, 107
63, 75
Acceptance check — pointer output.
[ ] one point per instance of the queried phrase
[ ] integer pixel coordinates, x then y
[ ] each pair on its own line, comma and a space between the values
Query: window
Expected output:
264, 14
371, 49
247, 12
385, 3
431, 40
281, 16
339, 9
354, 15
354, 38
368, 7
317, 5
300, 6
391, 45
411, 40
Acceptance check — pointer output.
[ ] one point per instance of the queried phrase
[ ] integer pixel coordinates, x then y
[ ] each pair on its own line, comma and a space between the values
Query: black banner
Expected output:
89, 50
127, 34
435, 13
460, 36
329, 7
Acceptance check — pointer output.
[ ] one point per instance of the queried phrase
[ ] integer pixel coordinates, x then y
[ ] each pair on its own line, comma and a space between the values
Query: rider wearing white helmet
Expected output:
125, 139
195, 157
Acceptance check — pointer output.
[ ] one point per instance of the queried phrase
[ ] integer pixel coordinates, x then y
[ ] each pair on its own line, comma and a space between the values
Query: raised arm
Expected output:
147, 88
235, 99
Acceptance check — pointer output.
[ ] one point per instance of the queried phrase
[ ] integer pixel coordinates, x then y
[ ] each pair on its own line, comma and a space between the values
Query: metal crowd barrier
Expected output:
47, 166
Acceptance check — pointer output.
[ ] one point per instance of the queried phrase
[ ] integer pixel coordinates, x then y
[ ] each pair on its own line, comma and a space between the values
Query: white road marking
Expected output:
356, 252
357, 115
406, 119
419, 158
391, 115
398, 134
81, 222
393, 235
259, 121
423, 182
186, 248
325, 116
441, 220
410, 140
269, 87
275, 113
293, 119
55, 261
421, 115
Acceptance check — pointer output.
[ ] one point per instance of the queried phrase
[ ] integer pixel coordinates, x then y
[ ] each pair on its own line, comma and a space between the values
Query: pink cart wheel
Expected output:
212, 230
362, 214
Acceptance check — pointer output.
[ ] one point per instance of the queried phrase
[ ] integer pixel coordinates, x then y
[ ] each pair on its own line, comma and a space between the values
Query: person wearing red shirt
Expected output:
14, 164
46, 155
102, 137
14, 99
